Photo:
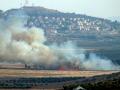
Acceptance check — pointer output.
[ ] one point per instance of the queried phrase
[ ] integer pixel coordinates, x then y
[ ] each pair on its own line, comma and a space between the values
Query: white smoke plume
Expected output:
19, 44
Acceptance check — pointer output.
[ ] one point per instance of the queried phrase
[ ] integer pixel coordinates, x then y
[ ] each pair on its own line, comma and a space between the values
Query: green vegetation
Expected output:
105, 85
105, 82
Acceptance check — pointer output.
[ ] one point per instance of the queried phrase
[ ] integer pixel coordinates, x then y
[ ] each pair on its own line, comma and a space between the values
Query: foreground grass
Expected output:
104, 82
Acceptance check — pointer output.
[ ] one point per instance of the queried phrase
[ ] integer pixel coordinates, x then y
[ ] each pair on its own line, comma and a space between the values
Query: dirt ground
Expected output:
50, 73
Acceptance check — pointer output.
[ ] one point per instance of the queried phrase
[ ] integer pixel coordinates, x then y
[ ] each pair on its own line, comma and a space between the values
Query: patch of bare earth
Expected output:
50, 73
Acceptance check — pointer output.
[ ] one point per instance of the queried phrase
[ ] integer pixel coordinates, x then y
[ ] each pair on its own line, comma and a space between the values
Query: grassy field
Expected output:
50, 73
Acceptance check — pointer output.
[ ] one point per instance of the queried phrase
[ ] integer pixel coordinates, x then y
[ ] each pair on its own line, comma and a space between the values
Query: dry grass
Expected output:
50, 73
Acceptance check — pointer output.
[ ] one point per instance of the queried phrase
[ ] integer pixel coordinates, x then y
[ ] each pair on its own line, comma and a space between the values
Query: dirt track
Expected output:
50, 73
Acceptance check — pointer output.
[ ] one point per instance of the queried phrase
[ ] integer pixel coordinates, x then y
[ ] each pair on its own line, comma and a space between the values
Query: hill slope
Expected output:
87, 32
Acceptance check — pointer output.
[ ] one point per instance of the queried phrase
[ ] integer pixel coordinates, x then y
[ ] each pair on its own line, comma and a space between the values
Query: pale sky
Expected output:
98, 8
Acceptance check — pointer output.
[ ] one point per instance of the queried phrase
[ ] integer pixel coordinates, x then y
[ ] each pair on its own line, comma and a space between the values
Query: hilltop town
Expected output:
60, 27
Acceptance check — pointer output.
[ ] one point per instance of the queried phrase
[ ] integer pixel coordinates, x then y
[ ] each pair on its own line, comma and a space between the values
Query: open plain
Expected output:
50, 73
24, 79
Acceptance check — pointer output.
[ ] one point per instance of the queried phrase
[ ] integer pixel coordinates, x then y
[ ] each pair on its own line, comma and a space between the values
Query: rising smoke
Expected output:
19, 44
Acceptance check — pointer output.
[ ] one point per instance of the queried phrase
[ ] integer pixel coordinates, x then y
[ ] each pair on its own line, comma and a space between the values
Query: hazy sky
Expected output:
99, 8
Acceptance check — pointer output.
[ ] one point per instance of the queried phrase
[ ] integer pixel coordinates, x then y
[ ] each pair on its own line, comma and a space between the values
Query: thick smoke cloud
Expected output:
19, 44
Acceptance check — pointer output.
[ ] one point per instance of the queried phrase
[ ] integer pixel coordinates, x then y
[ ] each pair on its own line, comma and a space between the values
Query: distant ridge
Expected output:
45, 11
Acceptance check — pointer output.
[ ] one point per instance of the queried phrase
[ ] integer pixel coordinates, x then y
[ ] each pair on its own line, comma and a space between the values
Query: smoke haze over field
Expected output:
19, 44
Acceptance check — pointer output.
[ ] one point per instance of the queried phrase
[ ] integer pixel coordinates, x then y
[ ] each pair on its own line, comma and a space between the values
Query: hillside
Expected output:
66, 25
97, 34
71, 25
